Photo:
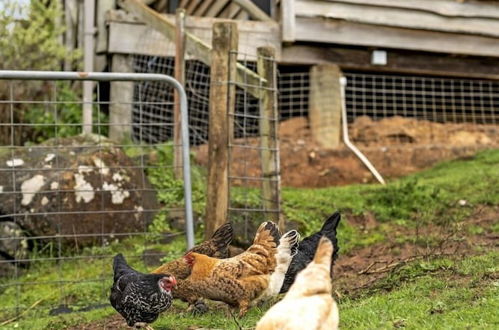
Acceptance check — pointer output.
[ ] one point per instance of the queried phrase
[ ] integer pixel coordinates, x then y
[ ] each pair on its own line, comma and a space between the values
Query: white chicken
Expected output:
309, 303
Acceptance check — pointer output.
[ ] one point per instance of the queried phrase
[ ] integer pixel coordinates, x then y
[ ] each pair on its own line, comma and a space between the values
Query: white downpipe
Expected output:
88, 62
346, 139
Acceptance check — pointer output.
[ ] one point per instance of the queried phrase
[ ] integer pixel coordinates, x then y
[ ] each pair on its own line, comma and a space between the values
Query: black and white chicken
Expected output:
138, 297
307, 248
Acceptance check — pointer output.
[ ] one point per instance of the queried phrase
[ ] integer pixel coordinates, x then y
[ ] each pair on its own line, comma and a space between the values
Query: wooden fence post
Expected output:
222, 95
325, 105
269, 135
120, 109
180, 76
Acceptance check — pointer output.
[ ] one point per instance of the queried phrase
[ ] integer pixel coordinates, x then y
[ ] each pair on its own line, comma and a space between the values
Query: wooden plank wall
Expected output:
128, 36
449, 26
214, 8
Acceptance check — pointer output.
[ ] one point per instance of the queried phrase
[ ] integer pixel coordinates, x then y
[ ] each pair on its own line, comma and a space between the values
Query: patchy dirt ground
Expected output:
363, 268
396, 146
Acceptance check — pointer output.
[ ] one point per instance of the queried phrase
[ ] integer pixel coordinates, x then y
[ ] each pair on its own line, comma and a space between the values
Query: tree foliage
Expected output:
31, 36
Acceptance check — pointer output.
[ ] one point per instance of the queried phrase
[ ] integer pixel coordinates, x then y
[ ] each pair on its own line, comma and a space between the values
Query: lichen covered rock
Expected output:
81, 185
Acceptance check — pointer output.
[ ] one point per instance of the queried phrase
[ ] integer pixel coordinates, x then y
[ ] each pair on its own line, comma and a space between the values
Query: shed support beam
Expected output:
120, 109
325, 105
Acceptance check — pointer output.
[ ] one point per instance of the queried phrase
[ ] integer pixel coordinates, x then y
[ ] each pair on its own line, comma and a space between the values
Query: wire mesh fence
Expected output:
422, 110
253, 149
294, 88
405, 108
197, 87
70, 201
247, 203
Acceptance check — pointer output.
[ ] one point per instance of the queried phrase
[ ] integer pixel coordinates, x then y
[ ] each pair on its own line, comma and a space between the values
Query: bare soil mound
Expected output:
396, 146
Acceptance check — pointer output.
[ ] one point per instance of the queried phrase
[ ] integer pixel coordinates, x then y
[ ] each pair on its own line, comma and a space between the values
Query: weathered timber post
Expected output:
269, 134
180, 76
325, 105
120, 109
222, 95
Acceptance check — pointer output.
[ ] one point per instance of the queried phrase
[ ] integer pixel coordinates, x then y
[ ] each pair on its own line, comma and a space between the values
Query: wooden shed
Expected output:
443, 49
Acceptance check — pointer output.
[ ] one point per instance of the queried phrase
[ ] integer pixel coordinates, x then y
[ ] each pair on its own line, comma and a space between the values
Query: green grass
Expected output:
460, 293
427, 197
441, 294
435, 294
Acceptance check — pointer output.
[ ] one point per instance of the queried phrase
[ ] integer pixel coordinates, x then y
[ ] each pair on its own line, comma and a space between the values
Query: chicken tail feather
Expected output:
291, 239
222, 237
120, 266
267, 233
331, 224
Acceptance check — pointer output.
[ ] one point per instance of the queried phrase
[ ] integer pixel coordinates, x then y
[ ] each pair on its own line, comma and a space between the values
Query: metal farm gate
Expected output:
69, 195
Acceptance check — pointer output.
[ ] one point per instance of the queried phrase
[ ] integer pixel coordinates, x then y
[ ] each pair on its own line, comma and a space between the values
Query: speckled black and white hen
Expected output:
139, 297
307, 248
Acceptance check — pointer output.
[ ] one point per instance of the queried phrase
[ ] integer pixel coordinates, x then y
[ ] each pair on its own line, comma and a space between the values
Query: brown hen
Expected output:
239, 280
217, 247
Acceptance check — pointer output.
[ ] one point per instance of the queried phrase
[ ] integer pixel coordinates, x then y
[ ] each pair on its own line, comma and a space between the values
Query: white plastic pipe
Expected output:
346, 139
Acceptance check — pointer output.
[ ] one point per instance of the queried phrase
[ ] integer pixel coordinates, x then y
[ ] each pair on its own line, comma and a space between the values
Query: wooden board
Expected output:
103, 6
129, 37
484, 9
403, 61
351, 33
397, 17
288, 18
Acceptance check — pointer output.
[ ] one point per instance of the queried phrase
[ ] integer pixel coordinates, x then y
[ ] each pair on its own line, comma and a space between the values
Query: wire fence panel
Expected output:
401, 104
197, 87
253, 153
294, 88
247, 205
422, 110
67, 198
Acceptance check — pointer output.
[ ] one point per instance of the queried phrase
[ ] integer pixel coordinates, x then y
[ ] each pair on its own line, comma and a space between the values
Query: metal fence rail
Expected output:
67, 197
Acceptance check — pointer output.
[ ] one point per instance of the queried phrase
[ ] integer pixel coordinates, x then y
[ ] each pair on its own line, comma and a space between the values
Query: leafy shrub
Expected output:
170, 189
64, 119
30, 36
30, 39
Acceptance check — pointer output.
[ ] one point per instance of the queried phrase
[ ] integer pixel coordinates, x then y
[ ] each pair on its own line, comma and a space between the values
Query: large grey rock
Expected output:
78, 185
13, 245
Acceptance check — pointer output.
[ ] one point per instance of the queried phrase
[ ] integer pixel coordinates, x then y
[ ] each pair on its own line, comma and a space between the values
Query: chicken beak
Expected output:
174, 281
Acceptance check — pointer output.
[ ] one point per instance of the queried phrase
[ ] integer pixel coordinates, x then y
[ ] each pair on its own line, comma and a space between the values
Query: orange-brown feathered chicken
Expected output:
217, 247
239, 280
309, 303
